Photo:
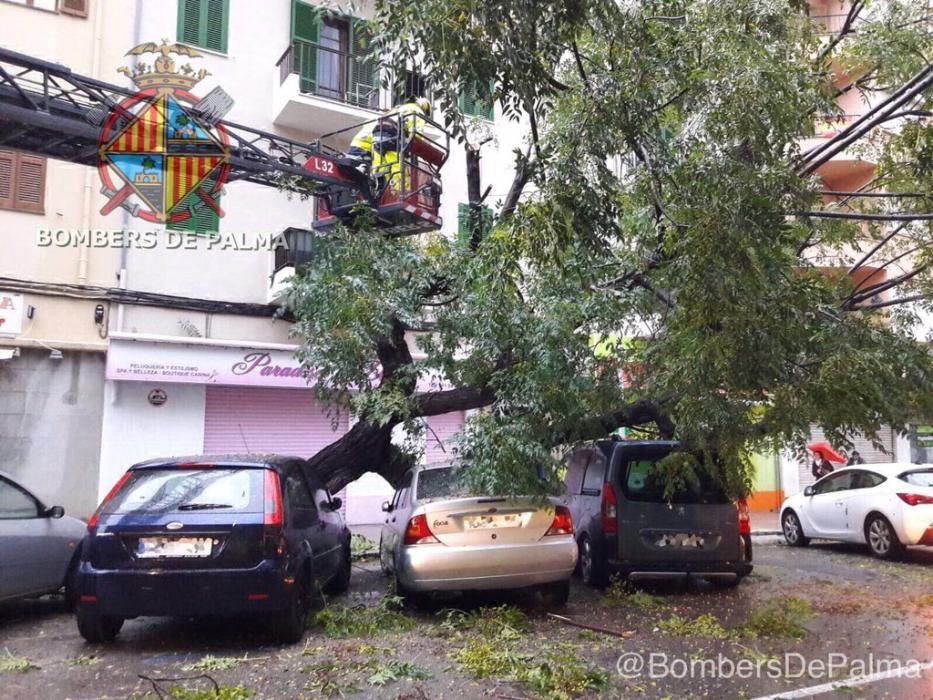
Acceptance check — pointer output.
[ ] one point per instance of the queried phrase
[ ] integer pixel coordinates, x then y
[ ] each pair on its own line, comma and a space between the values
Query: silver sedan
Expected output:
438, 537
38, 545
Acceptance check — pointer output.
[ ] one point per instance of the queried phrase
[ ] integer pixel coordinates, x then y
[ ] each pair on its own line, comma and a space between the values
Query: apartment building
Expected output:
158, 380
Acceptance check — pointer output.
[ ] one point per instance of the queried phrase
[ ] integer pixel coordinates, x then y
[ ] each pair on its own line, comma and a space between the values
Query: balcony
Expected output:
319, 89
299, 252
853, 165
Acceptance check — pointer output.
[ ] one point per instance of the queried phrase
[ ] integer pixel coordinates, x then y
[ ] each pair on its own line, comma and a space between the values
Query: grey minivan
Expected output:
624, 524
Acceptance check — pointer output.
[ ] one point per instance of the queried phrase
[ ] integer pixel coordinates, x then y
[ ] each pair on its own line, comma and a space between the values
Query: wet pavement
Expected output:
859, 616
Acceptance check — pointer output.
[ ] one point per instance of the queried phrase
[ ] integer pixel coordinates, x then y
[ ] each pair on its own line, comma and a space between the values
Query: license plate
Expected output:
154, 547
489, 522
683, 540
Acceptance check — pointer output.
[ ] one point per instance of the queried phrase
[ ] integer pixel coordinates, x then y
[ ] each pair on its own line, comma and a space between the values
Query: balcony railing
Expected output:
334, 75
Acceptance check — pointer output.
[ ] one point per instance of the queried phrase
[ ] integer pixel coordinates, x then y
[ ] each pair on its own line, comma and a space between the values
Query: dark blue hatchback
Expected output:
212, 536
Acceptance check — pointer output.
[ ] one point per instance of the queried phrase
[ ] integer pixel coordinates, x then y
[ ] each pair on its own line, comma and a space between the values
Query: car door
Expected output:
333, 526
32, 557
860, 500
397, 517
576, 469
304, 525
826, 507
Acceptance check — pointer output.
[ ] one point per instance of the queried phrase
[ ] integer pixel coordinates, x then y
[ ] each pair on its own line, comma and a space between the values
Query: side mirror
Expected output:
808, 491
336, 504
386, 507
55, 512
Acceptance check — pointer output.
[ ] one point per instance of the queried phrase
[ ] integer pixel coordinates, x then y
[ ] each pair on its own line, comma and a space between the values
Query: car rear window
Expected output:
447, 482
190, 490
921, 477
641, 483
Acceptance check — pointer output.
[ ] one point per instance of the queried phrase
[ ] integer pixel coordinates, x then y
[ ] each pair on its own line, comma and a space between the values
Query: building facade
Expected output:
153, 380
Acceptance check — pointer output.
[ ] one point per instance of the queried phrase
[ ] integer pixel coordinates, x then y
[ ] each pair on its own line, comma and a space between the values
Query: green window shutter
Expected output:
463, 223
306, 34
189, 22
364, 81
216, 19
204, 23
474, 103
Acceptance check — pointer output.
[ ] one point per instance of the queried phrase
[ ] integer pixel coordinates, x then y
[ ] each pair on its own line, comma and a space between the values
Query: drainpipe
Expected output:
89, 173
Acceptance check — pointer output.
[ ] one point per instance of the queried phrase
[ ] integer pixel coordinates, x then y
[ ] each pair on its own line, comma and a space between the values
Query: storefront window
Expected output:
921, 444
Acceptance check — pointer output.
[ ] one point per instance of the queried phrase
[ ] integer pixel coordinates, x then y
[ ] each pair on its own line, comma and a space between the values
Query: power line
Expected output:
863, 217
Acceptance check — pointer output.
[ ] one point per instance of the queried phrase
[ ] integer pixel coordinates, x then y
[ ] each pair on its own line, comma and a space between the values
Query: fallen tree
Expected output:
662, 206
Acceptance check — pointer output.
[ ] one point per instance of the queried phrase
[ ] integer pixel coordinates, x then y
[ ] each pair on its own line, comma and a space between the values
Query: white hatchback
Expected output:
887, 506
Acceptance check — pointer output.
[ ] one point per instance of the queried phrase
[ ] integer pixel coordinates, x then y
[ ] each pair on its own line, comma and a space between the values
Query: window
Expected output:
444, 483
299, 251
181, 490
49, 5
576, 465
203, 219
296, 491
834, 483
921, 477
78, 8
595, 475
22, 182
401, 496
478, 103
331, 66
204, 23
642, 483
463, 223
16, 504
866, 480
410, 84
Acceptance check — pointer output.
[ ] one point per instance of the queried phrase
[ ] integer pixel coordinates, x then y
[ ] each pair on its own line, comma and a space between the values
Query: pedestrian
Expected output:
855, 458
820, 467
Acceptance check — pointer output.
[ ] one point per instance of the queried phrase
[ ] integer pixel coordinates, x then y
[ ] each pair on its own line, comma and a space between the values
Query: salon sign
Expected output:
188, 364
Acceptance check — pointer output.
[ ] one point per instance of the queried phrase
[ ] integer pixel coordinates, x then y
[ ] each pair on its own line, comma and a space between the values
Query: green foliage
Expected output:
10, 663
621, 594
393, 671
664, 167
211, 663
504, 623
557, 674
782, 618
85, 660
705, 625
361, 546
364, 621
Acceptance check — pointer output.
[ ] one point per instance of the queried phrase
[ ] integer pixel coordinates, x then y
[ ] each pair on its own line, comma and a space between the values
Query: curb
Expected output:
766, 533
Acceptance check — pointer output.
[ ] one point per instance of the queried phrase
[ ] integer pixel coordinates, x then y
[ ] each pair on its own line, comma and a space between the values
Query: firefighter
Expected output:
385, 132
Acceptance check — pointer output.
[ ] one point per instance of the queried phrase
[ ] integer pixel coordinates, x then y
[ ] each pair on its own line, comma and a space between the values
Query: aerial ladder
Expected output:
48, 110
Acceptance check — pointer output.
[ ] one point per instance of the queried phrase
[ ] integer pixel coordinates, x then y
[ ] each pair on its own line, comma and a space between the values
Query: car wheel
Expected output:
881, 538
341, 581
98, 629
793, 531
290, 624
555, 595
592, 568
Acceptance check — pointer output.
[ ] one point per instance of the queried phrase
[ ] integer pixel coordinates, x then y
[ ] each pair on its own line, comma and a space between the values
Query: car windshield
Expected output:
642, 483
446, 482
921, 477
181, 490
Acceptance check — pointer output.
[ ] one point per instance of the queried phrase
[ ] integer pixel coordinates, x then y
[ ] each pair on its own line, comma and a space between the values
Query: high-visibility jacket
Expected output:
409, 112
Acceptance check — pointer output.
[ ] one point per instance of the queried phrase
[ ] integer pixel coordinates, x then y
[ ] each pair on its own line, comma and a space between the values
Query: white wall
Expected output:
135, 430
364, 499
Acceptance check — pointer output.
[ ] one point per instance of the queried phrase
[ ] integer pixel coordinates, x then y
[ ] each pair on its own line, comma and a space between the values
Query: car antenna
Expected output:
243, 437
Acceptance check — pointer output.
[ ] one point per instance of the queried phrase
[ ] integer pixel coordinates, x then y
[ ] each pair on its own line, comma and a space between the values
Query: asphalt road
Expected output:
866, 617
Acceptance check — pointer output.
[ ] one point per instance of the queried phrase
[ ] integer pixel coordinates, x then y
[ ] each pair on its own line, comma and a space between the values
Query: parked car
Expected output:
212, 536
626, 526
39, 545
438, 536
886, 506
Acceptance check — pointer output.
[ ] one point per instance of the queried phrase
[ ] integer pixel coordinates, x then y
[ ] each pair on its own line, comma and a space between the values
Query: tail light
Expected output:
94, 519
273, 536
915, 499
562, 524
610, 510
418, 531
745, 519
